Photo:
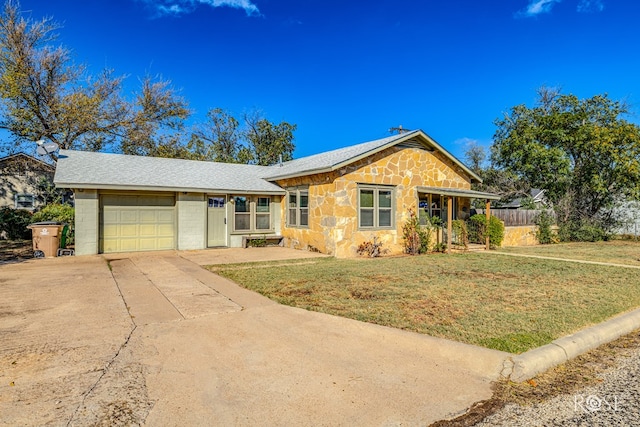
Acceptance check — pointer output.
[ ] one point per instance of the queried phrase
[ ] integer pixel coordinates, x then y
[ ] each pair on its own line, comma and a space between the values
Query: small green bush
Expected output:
544, 233
60, 213
14, 223
495, 229
56, 212
459, 228
417, 238
582, 231
258, 243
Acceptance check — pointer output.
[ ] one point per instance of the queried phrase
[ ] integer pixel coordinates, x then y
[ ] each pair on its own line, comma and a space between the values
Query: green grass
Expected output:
501, 302
626, 252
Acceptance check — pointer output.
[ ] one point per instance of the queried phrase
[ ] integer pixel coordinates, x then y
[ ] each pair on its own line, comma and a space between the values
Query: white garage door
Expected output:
137, 223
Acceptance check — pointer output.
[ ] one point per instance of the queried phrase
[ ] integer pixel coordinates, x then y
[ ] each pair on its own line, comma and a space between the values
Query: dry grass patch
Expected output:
501, 302
626, 252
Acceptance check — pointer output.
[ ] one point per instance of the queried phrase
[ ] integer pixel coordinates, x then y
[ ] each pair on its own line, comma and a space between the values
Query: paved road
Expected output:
156, 339
613, 402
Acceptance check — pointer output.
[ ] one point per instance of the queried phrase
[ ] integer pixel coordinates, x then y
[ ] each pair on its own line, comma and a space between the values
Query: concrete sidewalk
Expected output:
276, 365
209, 352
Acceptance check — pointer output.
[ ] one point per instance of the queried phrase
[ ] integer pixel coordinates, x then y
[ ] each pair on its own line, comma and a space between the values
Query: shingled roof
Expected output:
81, 169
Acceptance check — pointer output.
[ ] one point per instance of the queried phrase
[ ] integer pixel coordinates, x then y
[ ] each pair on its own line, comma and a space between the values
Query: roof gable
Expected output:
332, 160
26, 159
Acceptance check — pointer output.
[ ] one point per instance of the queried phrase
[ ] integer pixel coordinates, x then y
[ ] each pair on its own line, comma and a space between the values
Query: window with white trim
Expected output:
298, 207
252, 213
375, 207
263, 213
242, 217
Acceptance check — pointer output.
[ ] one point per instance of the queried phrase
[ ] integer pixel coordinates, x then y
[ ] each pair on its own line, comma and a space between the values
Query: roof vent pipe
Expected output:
280, 160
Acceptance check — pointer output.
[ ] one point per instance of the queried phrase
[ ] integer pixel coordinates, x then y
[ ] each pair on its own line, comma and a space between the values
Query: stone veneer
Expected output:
333, 198
524, 235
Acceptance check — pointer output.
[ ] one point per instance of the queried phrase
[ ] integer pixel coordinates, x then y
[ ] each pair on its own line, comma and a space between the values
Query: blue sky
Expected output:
347, 71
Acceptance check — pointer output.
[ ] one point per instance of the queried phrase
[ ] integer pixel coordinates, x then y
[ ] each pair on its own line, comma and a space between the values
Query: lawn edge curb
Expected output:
527, 365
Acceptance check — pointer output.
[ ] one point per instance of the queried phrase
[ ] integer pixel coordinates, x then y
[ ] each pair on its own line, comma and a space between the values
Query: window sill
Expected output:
242, 232
375, 228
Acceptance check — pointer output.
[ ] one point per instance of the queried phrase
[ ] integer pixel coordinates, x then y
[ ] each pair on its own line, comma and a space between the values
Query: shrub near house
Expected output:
13, 223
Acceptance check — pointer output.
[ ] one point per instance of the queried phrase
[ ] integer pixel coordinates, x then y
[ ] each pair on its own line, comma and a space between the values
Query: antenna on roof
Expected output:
399, 130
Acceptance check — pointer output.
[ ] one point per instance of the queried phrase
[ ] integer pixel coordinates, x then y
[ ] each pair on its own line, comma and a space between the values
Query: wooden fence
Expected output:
518, 217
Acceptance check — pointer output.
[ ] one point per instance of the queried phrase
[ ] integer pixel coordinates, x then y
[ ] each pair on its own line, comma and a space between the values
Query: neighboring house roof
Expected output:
332, 160
81, 169
18, 157
537, 195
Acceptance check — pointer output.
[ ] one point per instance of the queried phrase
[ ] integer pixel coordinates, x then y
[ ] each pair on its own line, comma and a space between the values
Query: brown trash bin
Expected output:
46, 238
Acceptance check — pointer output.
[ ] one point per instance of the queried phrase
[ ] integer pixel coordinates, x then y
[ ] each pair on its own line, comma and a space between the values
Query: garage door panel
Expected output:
148, 230
165, 230
137, 223
166, 243
110, 231
128, 216
111, 216
148, 244
148, 216
124, 245
128, 230
165, 217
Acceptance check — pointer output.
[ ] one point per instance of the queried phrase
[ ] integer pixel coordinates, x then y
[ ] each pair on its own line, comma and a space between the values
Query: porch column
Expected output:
488, 210
449, 220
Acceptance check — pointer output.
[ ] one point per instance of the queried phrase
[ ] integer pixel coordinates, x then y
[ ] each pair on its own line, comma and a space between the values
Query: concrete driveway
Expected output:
155, 339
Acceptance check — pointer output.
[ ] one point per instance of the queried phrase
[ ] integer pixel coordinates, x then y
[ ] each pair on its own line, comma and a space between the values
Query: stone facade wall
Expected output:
520, 236
333, 198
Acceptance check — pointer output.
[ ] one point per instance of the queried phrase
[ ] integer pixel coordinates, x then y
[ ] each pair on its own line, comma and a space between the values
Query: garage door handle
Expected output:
225, 221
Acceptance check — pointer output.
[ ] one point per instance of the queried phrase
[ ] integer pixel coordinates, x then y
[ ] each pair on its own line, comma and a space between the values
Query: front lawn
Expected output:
625, 252
501, 302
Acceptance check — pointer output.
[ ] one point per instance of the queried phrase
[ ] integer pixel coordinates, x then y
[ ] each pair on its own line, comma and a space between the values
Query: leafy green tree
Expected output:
157, 109
222, 138
43, 95
267, 142
581, 151
218, 139
494, 180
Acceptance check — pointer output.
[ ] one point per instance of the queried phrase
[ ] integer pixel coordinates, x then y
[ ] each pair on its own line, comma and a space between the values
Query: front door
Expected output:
217, 221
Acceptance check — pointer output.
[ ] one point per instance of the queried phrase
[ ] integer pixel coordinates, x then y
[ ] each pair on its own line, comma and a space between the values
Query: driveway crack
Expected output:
110, 363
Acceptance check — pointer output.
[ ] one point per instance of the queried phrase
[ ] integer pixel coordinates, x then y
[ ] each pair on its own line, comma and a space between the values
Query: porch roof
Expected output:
456, 192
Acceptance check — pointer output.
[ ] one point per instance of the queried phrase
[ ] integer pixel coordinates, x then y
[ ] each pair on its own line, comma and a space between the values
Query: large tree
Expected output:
583, 152
256, 141
268, 143
218, 139
494, 180
43, 95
